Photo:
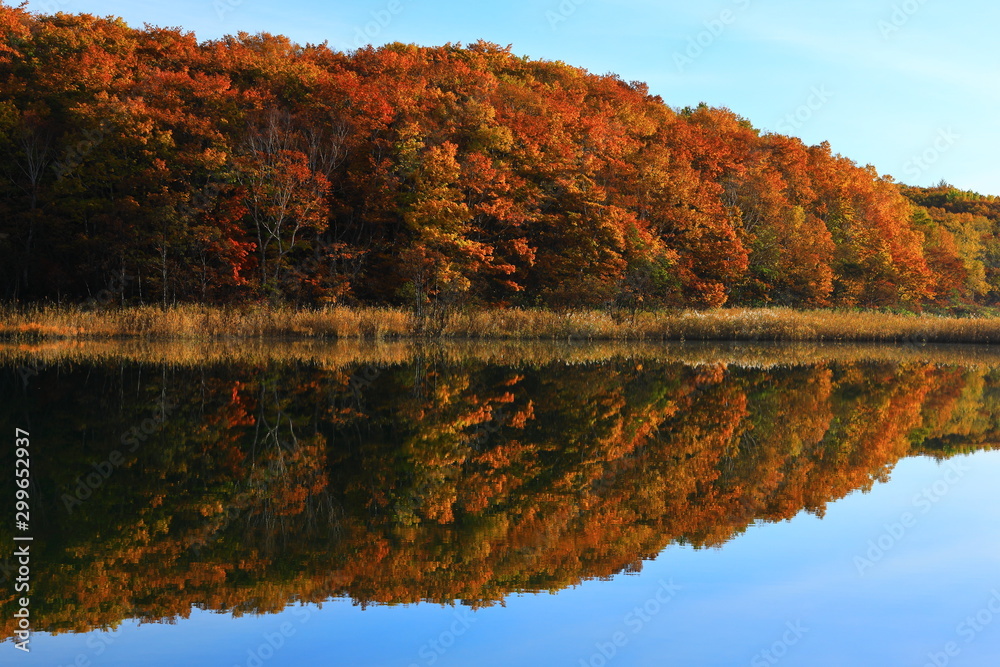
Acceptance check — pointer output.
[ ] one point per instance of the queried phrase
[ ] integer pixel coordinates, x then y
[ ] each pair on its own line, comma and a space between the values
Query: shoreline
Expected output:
195, 322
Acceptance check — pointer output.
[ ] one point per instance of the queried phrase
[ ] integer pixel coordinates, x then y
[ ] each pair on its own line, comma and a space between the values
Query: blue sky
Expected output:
909, 86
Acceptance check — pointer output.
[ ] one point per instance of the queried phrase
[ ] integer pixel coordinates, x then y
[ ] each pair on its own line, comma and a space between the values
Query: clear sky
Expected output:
909, 86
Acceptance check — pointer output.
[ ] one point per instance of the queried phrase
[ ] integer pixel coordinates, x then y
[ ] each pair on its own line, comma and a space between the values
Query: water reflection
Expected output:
242, 485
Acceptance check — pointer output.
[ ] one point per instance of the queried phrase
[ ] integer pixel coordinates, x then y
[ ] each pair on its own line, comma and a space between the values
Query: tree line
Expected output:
250, 168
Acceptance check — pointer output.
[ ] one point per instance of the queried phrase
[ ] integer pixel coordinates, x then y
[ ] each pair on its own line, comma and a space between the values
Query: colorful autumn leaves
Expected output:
252, 168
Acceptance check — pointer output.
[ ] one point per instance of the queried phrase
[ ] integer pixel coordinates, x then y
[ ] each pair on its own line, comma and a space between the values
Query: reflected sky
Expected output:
791, 588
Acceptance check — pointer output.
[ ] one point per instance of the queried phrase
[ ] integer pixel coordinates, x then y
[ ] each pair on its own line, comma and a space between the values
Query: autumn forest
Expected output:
251, 169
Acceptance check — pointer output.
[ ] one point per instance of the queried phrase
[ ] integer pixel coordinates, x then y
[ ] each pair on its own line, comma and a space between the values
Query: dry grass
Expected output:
210, 323
739, 324
200, 322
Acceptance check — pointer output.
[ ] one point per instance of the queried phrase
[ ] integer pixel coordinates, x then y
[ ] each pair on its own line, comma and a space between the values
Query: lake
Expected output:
255, 503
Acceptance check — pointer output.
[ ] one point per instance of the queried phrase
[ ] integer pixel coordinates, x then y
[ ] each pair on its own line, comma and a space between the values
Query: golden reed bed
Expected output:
189, 322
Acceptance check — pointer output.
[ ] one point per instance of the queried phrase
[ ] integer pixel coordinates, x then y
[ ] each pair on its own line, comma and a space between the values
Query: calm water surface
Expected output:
704, 507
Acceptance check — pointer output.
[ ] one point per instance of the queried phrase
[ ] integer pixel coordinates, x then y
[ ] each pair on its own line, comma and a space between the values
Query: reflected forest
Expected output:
244, 487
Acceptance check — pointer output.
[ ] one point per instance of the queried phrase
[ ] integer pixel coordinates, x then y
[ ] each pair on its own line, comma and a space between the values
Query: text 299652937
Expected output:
22, 540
